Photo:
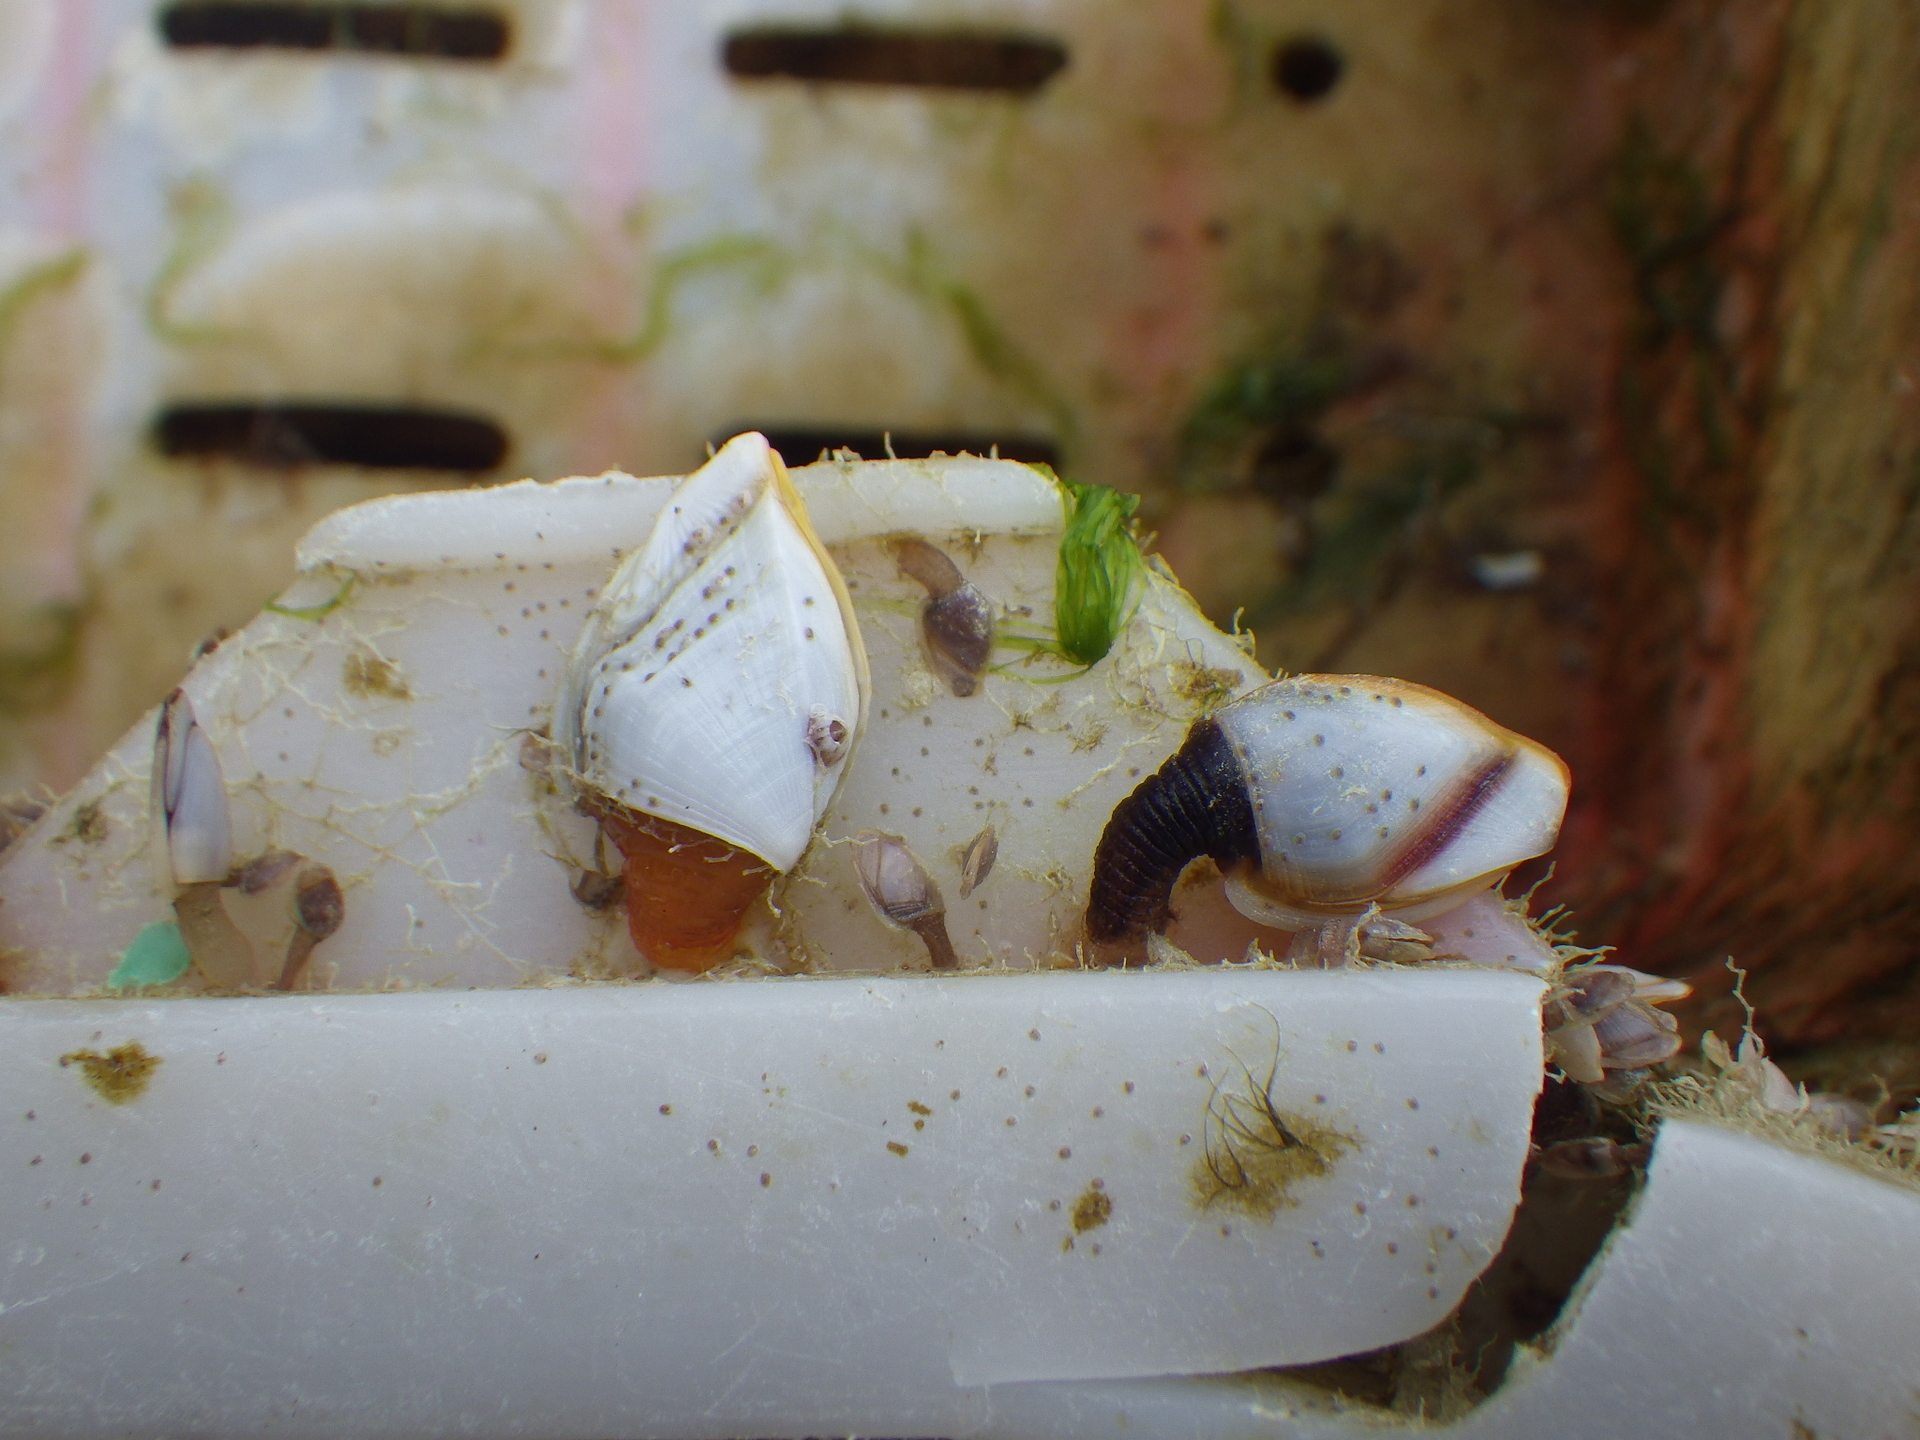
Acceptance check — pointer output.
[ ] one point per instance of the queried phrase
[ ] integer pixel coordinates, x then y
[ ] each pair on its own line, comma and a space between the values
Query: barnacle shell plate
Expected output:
691, 691
1368, 790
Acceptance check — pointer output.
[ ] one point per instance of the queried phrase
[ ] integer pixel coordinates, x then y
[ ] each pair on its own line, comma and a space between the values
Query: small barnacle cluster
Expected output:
1603, 1028
190, 799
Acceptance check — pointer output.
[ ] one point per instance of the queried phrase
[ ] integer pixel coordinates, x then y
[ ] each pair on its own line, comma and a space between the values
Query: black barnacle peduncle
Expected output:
1196, 804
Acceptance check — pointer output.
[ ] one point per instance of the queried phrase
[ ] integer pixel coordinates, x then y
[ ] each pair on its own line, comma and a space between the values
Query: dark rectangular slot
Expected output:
428, 31
381, 437
803, 446
937, 59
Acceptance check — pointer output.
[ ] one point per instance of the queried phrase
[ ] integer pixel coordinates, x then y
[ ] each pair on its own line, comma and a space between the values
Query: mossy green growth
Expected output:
157, 956
1276, 394
1099, 561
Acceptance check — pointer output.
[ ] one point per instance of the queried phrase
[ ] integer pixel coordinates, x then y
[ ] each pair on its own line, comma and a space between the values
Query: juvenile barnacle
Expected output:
898, 886
1322, 797
318, 910
190, 796
956, 623
710, 703
976, 861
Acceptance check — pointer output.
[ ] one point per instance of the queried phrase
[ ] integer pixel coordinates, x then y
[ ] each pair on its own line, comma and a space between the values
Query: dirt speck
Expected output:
1207, 687
896, 1147
1093, 1209
89, 826
917, 1108
371, 677
120, 1075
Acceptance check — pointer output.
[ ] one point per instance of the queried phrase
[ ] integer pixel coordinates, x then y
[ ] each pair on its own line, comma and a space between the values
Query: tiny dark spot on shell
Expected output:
765, 1179
1412, 1104
1066, 1153
1378, 1048
1033, 1034
1392, 1249
666, 1109
1352, 1045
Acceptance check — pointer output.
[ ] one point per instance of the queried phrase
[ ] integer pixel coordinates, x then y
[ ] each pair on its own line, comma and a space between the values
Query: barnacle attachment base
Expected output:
665, 863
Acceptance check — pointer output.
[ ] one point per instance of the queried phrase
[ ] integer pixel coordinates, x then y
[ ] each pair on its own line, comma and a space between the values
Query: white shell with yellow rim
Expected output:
720, 681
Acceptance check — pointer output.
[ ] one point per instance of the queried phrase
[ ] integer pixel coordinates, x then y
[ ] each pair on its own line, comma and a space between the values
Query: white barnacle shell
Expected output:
192, 796
720, 677
1370, 791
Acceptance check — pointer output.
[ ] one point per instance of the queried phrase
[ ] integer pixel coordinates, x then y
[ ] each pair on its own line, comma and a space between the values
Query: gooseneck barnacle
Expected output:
710, 706
1325, 798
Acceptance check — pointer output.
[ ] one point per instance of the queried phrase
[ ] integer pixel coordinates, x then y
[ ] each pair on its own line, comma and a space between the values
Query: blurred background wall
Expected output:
1557, 353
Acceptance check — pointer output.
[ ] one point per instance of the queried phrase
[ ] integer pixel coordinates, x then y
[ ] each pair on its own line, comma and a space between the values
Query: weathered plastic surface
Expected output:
785, 1207
1754, 1291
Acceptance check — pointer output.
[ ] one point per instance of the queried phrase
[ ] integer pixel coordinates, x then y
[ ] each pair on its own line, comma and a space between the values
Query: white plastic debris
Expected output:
790, 1207
1751, 1291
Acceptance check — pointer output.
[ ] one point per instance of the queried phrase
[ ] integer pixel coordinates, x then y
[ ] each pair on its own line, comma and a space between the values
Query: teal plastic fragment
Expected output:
158, 956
